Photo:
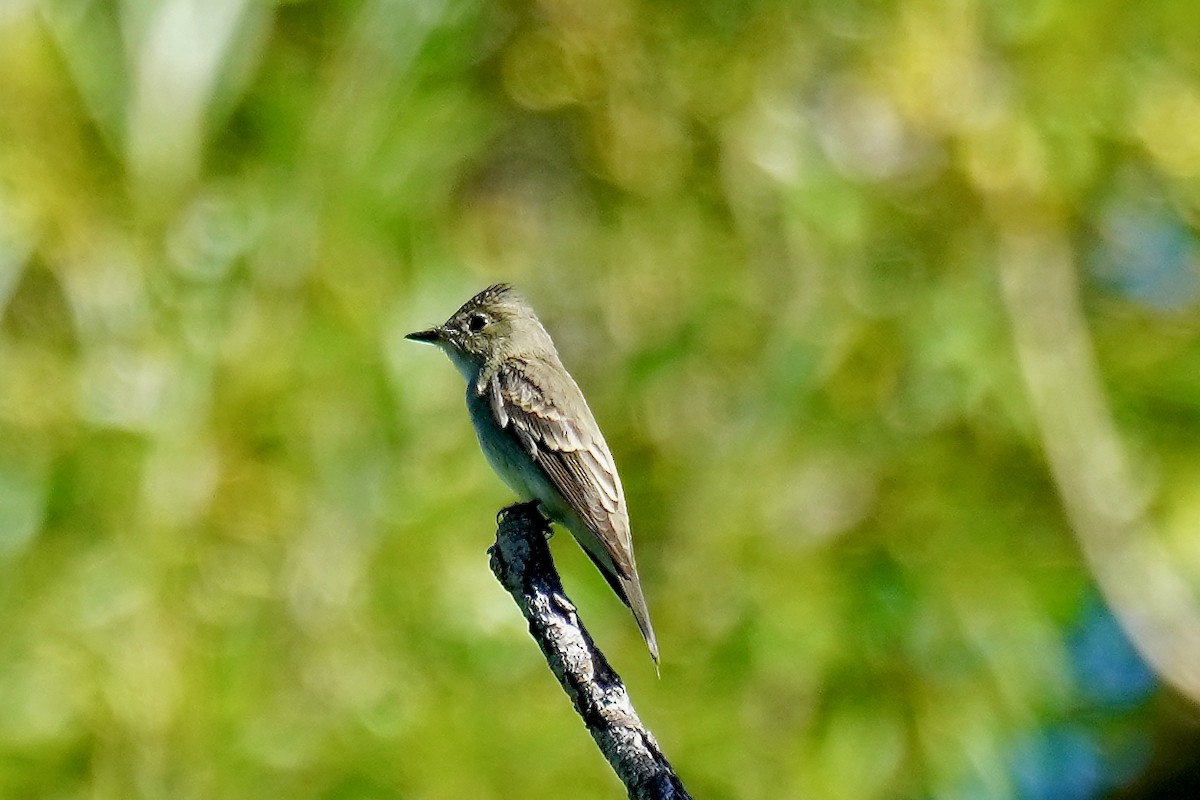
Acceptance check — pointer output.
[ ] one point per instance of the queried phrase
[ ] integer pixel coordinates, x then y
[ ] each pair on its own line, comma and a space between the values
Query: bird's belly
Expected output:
516, 467
506, 458
511, 464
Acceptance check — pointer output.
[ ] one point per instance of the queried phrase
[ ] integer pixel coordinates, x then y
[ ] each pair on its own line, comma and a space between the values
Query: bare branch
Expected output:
522, 563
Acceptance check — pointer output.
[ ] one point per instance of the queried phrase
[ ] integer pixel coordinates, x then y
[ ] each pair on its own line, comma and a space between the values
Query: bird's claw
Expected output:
516, 508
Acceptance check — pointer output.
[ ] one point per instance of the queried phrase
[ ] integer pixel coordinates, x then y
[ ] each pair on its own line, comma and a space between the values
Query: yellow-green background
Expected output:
243, 522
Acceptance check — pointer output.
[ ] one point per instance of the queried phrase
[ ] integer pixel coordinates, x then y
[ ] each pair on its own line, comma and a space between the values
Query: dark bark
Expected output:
522, 563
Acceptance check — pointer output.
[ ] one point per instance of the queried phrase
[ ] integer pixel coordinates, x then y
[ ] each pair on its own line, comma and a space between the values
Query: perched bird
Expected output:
539, 434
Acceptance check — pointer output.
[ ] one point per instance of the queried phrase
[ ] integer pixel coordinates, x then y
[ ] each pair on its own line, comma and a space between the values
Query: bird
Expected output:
538, 433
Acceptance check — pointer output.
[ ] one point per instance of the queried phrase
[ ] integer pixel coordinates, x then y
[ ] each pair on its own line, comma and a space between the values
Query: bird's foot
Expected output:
517, 508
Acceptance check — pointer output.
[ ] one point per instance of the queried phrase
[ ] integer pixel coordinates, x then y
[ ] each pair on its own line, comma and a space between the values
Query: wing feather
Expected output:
566, 443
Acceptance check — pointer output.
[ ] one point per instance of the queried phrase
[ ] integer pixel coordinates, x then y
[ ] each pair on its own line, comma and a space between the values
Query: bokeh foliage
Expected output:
242, 522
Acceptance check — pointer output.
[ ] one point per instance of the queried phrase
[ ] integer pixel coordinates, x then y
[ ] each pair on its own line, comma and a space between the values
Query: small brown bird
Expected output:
538, 433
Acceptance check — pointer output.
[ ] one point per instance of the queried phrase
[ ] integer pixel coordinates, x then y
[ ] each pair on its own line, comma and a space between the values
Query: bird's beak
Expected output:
432, 336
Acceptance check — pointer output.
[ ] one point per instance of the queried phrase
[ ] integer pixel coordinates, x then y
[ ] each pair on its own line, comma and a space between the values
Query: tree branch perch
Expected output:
521, 561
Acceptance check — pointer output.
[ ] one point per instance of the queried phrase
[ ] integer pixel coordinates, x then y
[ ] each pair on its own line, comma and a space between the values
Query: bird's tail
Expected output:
629, 589
631, 592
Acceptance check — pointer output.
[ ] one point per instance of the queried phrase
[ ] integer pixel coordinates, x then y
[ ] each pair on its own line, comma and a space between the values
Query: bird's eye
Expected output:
476, 323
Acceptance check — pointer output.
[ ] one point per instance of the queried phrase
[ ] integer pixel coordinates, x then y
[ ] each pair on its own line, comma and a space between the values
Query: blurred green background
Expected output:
890, 313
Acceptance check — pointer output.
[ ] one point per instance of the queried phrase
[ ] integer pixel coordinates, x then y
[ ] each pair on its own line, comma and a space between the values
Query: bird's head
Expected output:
493, 325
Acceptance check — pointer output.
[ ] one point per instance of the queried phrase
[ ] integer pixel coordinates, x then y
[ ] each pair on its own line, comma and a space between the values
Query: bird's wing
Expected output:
561, 435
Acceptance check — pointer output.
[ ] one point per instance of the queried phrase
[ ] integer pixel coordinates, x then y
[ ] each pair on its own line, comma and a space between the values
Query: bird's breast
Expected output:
505, 456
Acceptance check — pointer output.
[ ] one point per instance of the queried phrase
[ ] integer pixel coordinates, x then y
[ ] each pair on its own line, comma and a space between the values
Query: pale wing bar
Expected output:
581, 468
